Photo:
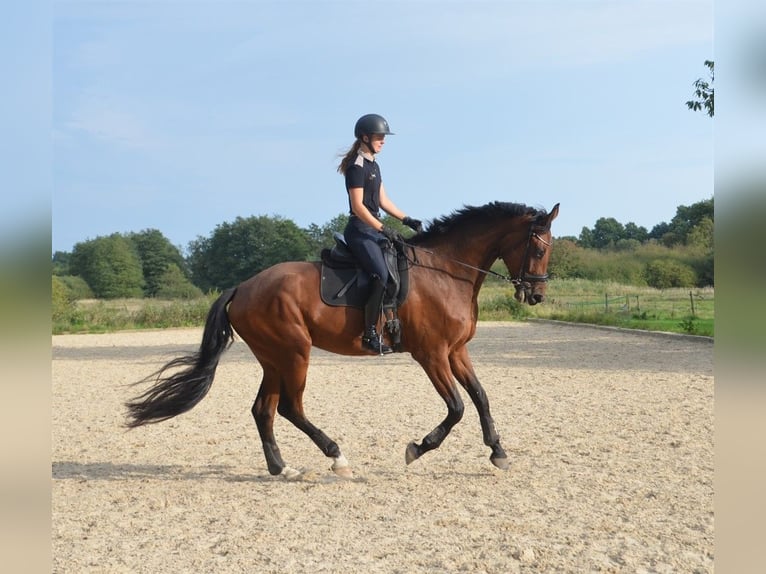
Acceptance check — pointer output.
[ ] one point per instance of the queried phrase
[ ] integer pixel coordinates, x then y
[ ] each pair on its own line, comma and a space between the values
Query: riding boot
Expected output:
371, 339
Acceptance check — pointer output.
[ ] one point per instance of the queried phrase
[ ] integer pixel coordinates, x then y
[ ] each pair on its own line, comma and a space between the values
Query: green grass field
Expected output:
567, 300
689, 311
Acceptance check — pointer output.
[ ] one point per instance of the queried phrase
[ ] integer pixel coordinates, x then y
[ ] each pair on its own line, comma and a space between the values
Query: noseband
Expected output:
525, 277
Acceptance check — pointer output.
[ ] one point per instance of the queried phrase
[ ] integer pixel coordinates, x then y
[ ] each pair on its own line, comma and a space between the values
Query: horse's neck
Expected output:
466, 258
478, 249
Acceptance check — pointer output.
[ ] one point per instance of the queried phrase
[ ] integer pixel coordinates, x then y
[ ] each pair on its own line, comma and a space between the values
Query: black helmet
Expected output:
371, 124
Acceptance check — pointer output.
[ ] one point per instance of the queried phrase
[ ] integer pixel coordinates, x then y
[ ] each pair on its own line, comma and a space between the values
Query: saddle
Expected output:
340, 280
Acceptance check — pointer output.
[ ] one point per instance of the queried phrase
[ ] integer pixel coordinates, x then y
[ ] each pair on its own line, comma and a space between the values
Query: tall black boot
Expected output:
370, 339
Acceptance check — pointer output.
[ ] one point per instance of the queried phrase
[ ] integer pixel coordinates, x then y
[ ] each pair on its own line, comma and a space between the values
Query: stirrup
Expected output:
374, 342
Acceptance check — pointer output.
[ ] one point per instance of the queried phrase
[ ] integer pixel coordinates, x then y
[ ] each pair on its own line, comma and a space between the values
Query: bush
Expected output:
664, 274
173, 284
77, 286
502, 306
62, 302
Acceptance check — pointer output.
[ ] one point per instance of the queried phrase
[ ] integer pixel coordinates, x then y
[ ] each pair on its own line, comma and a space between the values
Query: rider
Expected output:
365, 233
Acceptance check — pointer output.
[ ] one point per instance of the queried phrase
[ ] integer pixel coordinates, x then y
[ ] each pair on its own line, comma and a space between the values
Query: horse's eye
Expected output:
539, 253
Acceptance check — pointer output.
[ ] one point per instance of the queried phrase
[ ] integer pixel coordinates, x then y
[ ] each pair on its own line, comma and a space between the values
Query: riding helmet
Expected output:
371, 124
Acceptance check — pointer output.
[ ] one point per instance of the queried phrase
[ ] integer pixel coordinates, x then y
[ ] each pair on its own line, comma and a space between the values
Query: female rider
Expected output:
365, 233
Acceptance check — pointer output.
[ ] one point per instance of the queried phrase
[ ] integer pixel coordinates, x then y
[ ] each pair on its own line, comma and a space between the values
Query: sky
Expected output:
180, 116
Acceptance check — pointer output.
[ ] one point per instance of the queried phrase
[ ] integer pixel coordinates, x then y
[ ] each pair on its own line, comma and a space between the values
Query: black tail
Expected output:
174, 394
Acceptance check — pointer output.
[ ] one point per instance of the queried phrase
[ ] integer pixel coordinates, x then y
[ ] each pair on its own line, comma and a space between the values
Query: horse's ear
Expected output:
553, 214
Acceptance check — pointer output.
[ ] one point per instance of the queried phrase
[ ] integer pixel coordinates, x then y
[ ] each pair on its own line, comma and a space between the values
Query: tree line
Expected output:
678, 253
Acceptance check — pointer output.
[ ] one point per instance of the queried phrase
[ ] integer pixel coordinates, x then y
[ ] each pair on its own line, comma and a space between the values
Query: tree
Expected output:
157, 255
687, 217
636, 232
701, 235
586, 238
704, 93
238, 250
110, 265
173, 284
320, 237
607, 232
60, 262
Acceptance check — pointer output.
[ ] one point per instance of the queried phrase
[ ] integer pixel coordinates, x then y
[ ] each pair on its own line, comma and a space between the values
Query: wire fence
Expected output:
695, 303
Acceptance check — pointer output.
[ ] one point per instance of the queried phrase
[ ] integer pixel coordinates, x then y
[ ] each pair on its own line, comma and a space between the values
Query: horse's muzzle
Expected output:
526, 294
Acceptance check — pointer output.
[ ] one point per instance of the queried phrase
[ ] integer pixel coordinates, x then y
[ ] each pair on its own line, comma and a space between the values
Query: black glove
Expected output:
415, 224
392, 234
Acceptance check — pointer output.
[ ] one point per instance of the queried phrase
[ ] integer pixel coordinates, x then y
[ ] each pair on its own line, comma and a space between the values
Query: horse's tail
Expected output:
177, 393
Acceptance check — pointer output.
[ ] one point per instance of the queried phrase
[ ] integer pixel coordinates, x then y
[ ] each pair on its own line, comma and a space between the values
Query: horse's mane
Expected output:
473, 215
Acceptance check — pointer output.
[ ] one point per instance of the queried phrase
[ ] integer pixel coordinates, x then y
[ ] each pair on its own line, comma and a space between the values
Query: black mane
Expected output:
493, 211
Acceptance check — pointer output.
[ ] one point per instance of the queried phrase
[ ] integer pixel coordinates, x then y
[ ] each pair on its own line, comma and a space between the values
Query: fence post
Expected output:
606, 303
691, 299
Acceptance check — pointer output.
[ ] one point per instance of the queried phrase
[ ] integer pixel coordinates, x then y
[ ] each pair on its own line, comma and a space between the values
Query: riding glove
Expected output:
392, 234
415, 224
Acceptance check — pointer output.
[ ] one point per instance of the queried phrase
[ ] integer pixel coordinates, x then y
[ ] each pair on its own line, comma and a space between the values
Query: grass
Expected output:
612, 304
102, 316
579, 301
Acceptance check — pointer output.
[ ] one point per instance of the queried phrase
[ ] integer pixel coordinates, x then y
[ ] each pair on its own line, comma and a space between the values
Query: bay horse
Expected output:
278, 313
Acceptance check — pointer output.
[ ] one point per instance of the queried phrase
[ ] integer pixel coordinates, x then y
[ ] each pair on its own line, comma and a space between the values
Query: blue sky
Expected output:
179, 116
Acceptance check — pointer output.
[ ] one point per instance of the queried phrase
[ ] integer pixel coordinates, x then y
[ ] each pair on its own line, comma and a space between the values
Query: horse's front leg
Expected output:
438, 371
462, 368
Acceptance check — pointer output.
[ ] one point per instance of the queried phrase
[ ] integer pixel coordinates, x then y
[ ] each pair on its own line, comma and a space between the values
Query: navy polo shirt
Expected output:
365, 173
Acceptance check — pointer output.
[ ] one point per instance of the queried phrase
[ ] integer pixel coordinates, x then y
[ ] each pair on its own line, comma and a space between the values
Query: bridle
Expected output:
524, 279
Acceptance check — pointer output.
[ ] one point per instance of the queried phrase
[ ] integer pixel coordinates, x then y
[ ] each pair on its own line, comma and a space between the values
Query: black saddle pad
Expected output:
339, 287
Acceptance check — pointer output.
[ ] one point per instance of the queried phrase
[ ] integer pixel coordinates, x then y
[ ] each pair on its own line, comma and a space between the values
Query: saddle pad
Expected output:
338, 287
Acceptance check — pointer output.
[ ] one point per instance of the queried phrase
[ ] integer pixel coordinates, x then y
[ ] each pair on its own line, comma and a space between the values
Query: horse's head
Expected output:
529, 259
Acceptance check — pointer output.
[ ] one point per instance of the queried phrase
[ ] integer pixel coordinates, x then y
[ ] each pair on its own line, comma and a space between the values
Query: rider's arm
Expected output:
388, 206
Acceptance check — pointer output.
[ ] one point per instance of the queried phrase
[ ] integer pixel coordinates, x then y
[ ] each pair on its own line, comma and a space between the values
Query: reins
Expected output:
508, 278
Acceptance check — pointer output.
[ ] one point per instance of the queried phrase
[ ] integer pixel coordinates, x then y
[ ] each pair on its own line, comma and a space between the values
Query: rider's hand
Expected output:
415, 224
392, 234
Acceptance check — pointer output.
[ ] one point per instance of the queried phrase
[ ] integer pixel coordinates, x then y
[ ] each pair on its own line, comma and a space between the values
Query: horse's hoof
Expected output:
290, 473
412, 453
501, 463
343, 471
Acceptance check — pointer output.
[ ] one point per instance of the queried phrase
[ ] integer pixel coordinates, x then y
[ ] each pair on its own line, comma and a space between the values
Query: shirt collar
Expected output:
366, 155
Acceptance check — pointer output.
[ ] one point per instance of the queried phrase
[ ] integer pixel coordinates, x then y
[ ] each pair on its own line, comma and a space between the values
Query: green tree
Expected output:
173, 284
157, 255
704, 93
321, 237
701, 235
238, 250
110, 266
586, 238
633, 231
607, 232
60, 262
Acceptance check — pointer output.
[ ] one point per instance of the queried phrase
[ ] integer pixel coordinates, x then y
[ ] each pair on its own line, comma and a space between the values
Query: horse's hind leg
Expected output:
462, 368
263, 410
291, 407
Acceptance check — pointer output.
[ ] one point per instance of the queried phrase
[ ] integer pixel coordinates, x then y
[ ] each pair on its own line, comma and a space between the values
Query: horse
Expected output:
278, 313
